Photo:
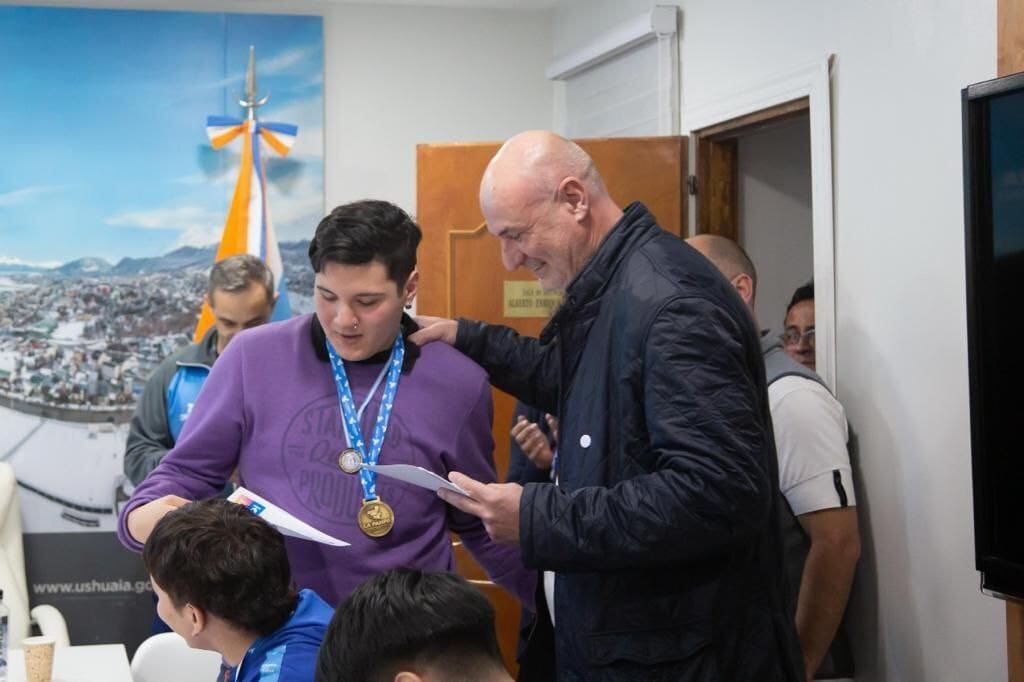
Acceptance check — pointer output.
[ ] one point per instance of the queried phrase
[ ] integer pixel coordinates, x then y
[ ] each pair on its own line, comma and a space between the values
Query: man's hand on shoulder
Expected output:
144, 518
434, 329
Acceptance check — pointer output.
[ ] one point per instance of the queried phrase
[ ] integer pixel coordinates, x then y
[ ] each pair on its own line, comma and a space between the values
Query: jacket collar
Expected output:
633, 227
203, 353
769, 341
408, 325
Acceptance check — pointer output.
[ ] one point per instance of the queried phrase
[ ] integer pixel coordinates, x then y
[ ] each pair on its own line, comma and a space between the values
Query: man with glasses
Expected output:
818, 515
798, 328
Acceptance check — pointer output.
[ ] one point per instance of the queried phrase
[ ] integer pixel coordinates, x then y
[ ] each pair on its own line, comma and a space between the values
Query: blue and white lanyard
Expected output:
351, 416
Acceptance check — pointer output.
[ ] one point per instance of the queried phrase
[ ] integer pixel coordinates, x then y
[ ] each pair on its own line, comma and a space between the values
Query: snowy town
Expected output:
83, 346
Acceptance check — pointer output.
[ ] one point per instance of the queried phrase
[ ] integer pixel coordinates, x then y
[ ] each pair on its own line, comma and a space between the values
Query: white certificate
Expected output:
280, 519
416, 476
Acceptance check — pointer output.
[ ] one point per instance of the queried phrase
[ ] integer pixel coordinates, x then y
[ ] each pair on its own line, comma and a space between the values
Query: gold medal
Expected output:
376, 518
350, 461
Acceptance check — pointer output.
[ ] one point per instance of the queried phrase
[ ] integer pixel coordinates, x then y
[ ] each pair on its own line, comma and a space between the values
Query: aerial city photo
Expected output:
104, 255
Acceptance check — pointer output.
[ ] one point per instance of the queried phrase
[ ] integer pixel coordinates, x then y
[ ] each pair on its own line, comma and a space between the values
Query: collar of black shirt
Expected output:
412, 351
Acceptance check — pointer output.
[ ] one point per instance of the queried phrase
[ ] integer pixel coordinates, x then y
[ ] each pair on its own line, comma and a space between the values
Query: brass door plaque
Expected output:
528, 299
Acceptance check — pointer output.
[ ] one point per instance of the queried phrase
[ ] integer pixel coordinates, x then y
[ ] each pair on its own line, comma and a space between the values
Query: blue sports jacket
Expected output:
289, 653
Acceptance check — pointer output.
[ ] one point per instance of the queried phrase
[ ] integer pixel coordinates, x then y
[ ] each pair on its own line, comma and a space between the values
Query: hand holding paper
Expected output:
280, 519
496, 504
416, 476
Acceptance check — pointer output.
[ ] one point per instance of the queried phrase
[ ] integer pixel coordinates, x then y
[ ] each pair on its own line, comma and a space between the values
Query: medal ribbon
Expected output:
349, 415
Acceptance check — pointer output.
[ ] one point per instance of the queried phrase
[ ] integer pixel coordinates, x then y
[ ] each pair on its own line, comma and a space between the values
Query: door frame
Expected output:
813, 84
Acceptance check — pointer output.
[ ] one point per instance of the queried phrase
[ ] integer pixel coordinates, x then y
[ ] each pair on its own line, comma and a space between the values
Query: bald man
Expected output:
819, 516
660, 559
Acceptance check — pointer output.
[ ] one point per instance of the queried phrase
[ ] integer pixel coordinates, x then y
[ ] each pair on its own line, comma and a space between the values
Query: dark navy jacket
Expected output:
661, 529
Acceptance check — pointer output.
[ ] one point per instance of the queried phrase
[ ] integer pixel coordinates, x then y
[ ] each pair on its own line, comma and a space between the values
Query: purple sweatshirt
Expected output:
270, 408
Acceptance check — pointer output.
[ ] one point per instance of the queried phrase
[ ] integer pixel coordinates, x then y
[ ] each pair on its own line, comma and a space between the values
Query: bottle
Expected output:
4, 613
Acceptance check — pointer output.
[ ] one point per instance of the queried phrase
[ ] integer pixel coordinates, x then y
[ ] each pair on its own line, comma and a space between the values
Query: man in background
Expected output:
818, 512
224, 584
798, 327
407, 625
241, 295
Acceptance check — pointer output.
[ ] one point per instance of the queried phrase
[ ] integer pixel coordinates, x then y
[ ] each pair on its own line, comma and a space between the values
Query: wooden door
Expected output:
461, 273
718, 166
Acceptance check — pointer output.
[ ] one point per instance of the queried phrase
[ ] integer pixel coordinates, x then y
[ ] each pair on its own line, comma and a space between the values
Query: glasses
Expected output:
793, 337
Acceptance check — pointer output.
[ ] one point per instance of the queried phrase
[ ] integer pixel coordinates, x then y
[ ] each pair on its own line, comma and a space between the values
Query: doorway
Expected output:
755, 188
718, 130
774, 222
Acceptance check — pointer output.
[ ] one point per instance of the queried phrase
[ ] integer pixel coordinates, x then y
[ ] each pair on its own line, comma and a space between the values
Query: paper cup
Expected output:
38, 659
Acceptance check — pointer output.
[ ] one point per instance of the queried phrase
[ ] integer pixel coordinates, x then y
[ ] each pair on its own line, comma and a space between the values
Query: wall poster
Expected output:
112, 202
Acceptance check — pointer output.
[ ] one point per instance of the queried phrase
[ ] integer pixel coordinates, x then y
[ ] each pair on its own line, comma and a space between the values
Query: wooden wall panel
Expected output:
1010, 37
718, 187
447, 198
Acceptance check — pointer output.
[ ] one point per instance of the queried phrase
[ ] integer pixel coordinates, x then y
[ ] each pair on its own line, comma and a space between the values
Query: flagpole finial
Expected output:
251, 102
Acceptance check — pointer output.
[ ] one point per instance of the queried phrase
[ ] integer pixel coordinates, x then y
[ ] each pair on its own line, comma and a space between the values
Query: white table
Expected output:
90, 663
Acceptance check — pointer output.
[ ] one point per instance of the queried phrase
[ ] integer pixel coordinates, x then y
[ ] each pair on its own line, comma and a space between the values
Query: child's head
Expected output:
216, 563
412, 626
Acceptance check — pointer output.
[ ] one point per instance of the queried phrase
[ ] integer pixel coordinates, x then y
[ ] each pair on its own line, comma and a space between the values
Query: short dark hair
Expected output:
413, 620
222, 558
365, 231
236, 273
804, 293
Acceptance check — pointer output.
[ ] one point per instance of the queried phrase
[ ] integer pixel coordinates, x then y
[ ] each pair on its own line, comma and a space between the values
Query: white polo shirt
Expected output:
810, 436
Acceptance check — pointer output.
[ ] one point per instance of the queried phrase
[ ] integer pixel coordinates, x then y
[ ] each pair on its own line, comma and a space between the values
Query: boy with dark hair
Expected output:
297, 405
223, 582
412, 626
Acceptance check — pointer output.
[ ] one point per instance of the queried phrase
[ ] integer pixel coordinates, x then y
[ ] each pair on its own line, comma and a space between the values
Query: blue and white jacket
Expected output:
165, 404
289, 654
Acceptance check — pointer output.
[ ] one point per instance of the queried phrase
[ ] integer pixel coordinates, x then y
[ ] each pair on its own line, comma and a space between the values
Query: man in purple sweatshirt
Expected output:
290, 404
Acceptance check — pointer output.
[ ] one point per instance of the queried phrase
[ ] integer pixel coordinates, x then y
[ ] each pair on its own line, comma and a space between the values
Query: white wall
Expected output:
774, 175
901, 327
398, 76
902, 368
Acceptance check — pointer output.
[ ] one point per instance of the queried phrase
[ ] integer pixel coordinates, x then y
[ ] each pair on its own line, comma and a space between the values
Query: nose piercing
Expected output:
355, 326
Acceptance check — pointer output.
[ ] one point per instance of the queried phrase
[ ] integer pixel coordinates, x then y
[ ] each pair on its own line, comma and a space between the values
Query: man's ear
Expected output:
574, 193
407, 677
412, 287
745, 286
197, 619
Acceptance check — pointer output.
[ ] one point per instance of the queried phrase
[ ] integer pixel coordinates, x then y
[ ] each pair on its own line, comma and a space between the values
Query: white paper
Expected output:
415, 475
280, 519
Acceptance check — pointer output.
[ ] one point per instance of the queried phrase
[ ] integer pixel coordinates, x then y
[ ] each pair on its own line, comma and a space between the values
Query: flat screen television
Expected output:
993, 142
